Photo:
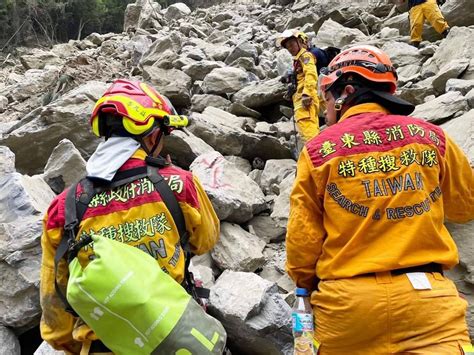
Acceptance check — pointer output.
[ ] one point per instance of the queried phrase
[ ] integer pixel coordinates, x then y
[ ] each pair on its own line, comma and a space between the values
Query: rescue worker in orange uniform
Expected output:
305, 99
421, 10
129, 115
366, 218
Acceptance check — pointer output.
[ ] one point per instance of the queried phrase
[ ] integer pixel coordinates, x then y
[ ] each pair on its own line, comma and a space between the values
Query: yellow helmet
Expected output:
287, 34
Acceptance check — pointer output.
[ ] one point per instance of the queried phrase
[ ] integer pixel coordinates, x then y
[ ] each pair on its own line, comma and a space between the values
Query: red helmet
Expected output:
368, 61
139, 107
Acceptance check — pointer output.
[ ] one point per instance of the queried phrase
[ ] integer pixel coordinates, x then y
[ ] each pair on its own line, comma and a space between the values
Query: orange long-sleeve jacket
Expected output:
371, 195
134, 214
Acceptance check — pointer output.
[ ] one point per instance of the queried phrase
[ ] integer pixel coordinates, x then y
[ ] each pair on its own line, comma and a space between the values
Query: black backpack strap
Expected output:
74, 211
171, 203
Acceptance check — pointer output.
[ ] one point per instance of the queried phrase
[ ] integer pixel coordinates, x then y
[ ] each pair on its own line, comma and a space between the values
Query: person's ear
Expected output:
348, 90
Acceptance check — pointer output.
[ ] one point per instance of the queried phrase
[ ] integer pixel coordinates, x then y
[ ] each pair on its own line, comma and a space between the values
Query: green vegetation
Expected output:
44, 22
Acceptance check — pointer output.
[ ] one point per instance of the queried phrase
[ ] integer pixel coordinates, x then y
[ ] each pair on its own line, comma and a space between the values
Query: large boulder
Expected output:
38, 59
265, 228
237, 249
225, 81
23, 201
461, 129
235, 197
275, 171
200, 102
261, 94
281, 207
177, 11
256, 317
165, 44
199, 70
402, 54
7, 161
334, 34
172, 83
442, 107
458, 12
184, 147
65, 166
224, 132
67, 117
451, 70
242, 50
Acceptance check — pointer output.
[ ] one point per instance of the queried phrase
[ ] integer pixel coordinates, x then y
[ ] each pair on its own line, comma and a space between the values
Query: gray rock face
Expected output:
257, 95
177, 11
275, 171
463, 86
184, 147
237, 249
23, 200
235, 196
38, 59
443, 107
461, 129
46, 349
334, 34
242, 50
225, 81
9, 344
172, 83
402, 54
7, 161
281, 208
241, 163
67, 117
65, 166
449, 71
200, 102
458, 12
264, 227
199, 70
3, 103
257, 319
171, 43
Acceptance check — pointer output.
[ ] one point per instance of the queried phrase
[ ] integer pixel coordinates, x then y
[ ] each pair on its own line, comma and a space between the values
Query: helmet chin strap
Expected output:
151, 151
341, 102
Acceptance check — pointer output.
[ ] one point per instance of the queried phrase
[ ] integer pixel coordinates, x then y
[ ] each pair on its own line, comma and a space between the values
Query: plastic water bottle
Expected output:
303, 326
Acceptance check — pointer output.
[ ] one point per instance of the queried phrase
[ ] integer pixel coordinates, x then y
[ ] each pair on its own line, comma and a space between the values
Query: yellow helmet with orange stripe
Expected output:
132, 108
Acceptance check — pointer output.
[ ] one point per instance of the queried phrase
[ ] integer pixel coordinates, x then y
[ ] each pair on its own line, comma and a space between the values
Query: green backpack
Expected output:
132, 305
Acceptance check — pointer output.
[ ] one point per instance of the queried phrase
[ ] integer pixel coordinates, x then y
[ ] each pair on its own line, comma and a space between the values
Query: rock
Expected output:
470, 98
264, 227
23, 201
281, 208
402, 54
461, 85
65, 166
388, 32
449, 71
67, 117
203, 273
172, 83
184, 147
200, 102
224, 132
34, 82
241, 163
284, 61
150, 15
241, 110
458, 12
46, 349
441, 108
95, 38
171, 43
461, 129
237, 249
9, 343
408, 73
177, 11
38, 59
462, 235
137, 46
199, 70
257, 319
452, 49
242, 50
257, 95
275, 171
235, 196
131, 16
3, 103
300, 19
7, 161
333, 34
225, 81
